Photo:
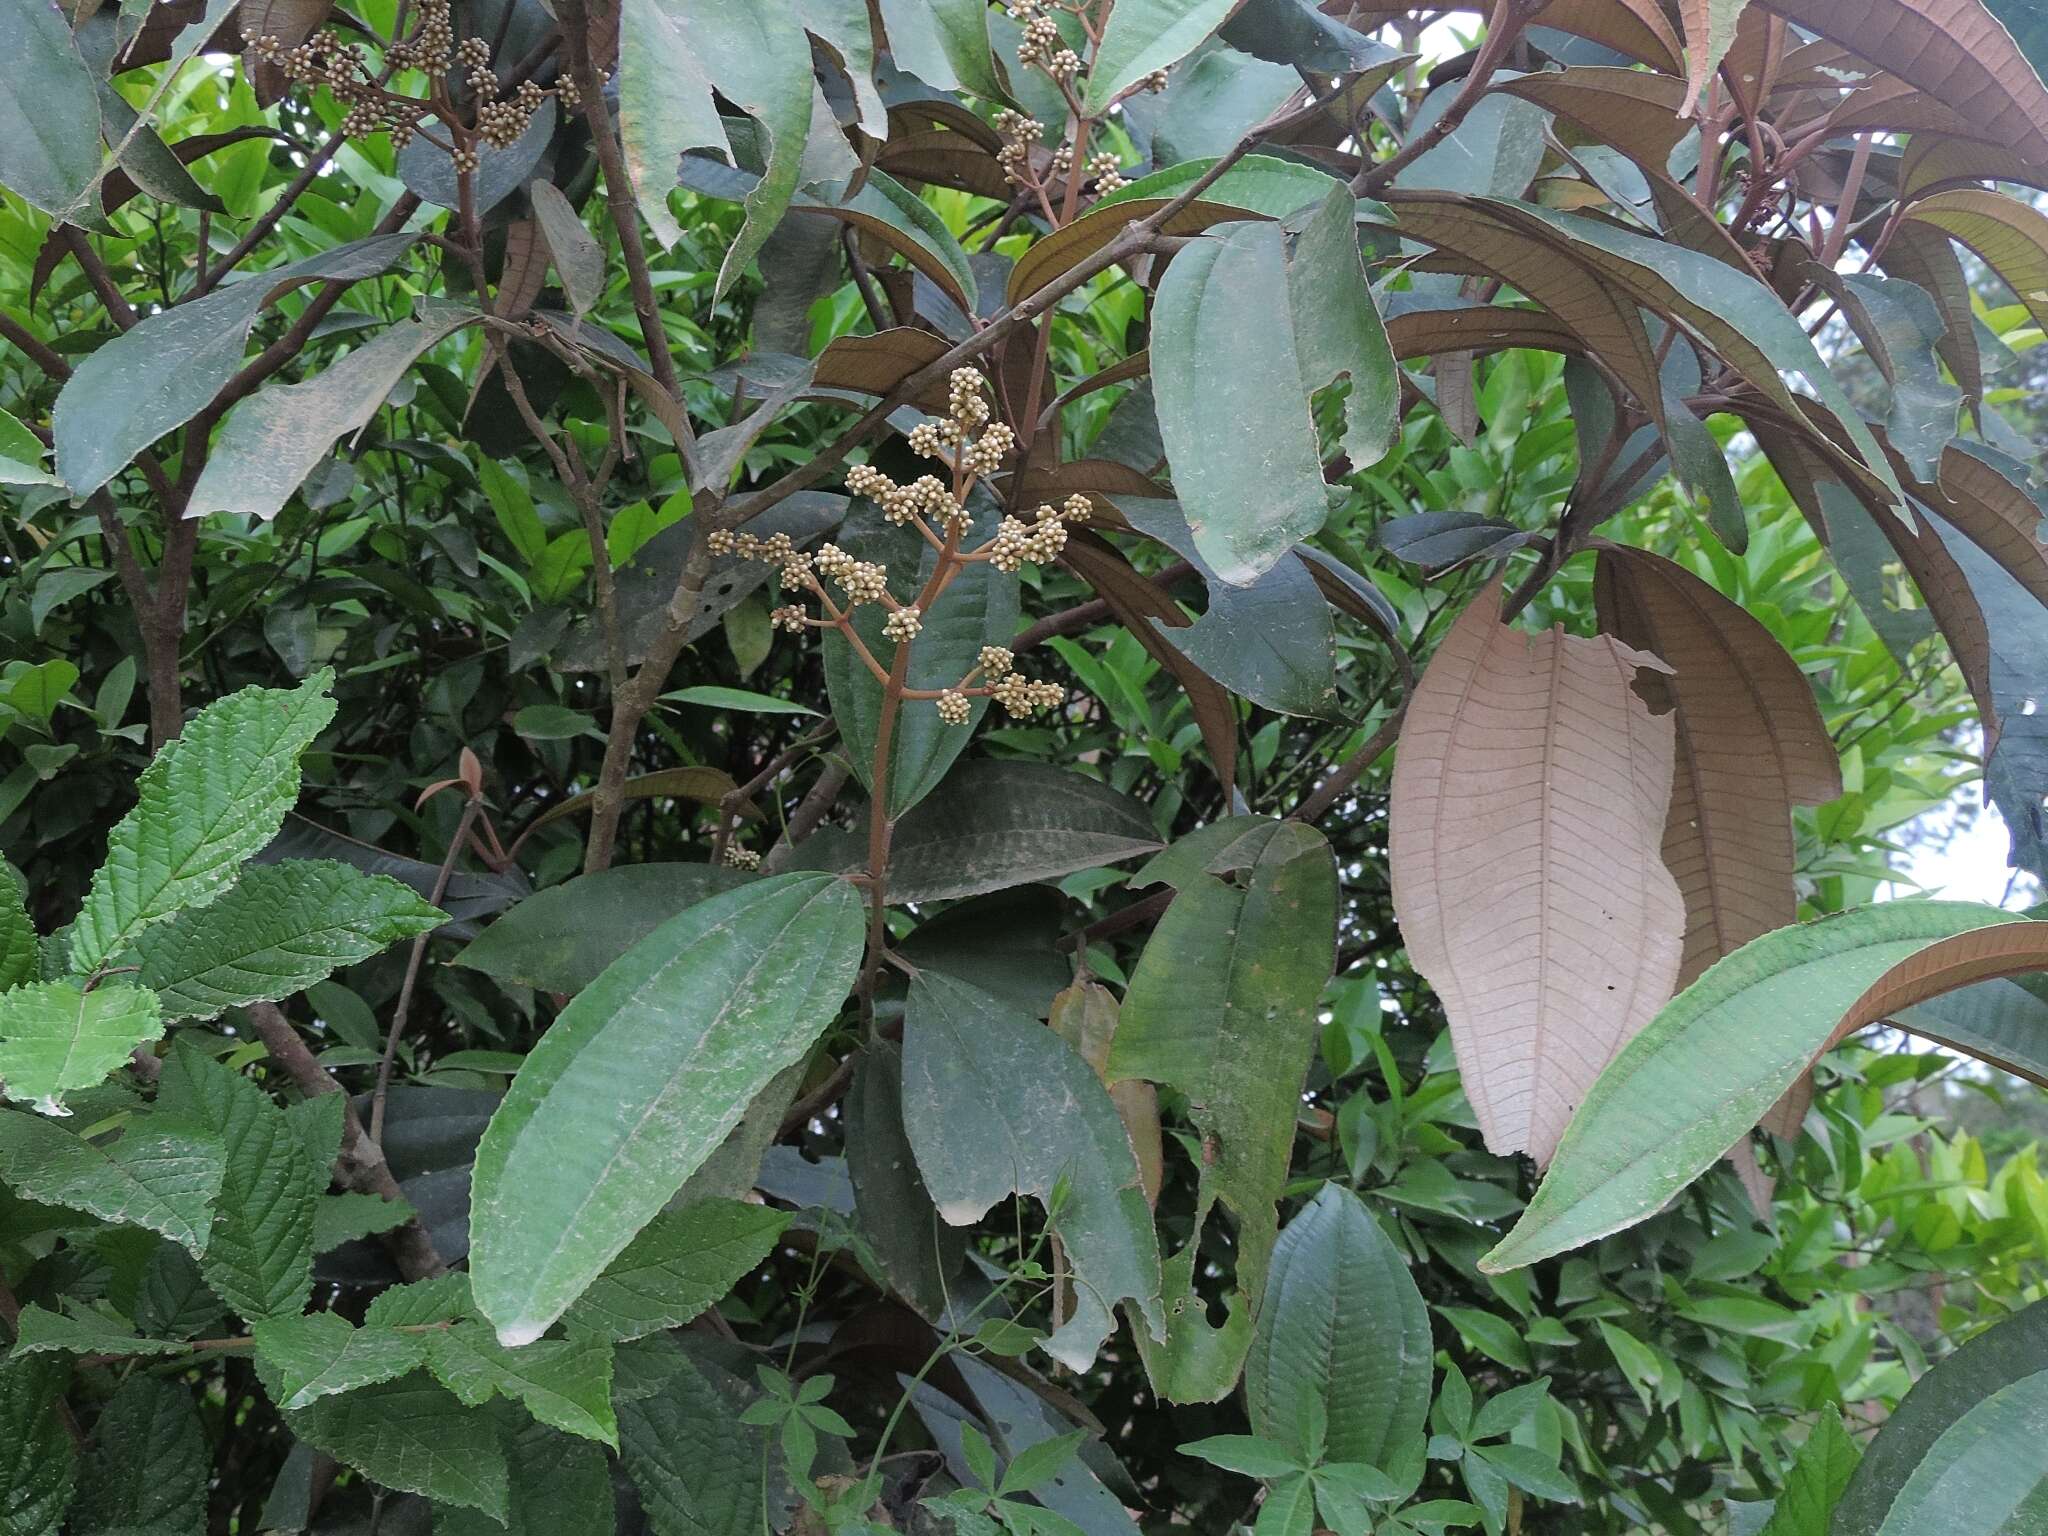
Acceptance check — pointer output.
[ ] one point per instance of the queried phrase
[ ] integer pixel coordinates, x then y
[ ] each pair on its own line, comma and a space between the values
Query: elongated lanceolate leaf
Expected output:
279, 930
640, 1079
275, 438
681, 1263
1529, 797
205, 803
1246, 328
1918, 1445
1219, 1009
1343, 1323
154, 378
1816, 1480
55, 1037
995, 1103
1721, 1052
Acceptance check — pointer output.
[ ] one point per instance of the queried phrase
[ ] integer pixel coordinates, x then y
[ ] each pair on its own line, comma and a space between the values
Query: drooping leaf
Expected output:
894, 1211
1216, 1011
1213, 98
149, 1466
994, 1103
1239, 435
1901, 330
994, 825
259, 1255
1144, 35
49, 113
1297, 32
1529, 798
162, 1179
699, 782
1343, 1324
55, 1038
1815, 1483
640, 1079
1709, 29
672, 56
1085, 1015
1954, 50
579, 259
154, 378
204, 804
978, 609
38, 1464
303, 1359
1916, 1452
1750, 744
1721, 1052
562, 938
681, 1263
415, 1436
280, 929
39, 1331
273, 440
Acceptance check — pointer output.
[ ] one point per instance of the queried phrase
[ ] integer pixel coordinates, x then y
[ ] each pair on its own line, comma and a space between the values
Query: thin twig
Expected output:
470, 809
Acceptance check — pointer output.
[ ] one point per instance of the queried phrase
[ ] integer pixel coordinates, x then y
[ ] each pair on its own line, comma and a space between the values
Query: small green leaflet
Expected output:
206, 802
55, 1037
303, 1359
712, 696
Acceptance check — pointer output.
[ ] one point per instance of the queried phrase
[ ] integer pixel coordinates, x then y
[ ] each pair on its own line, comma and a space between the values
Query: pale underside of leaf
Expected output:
1528, 809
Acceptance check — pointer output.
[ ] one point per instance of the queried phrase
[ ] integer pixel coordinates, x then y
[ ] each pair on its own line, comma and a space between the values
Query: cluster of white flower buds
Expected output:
1038, 542
1107, 172
1020, 134
737, 857
1023, 697
863, 581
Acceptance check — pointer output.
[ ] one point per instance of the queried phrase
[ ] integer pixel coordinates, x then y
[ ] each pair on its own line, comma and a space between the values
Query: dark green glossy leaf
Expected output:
149, 1466
681, 1263
415, 1436
920, 1253
38, 1464
1437, 541
1816, 1480
156, 1177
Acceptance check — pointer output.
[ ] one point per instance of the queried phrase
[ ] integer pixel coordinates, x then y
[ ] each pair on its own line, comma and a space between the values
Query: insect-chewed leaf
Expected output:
995, 1103
640, 1079
1345, 1324
206, 802
1529, 796
1721, 1052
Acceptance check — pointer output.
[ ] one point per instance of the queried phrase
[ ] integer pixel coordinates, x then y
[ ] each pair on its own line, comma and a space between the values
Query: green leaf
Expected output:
162, 1179
55, 1037
512, 505
21, 453
149, 1467
562, 938
890, 212
673, 54
978, 609
945, 43
698, 1467
1215, 1011
711, 696
1926, 1445
579, 259
561, 1486
994, 1102
205, 803
442, 1299
339, 1219
1343, 1322
681, 1263
1258, 186
2004, 1022
994, 825
303, 1359
279, 930
278, 436
1983, 1477
1493, 152
1814, 1486
1289, 1509
1035, 1465
415, 1436
563, 1382
920, 1256
20, 949
37, 1460
1529, 1470
155, 377
1249, 1454
1708, 1066
49, 112
38, 1331
640, 1079
259, 1257
1901, 328
1245, 329
553, 722
1144, 35
1490, 1334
